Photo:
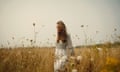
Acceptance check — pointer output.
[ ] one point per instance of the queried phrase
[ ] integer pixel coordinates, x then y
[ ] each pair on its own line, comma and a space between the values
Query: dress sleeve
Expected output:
69, 45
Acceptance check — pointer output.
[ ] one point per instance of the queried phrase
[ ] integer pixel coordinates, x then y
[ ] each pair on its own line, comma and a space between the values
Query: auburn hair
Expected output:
62, 35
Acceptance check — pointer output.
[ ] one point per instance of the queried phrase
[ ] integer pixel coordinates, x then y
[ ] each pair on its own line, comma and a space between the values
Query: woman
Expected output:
63, 47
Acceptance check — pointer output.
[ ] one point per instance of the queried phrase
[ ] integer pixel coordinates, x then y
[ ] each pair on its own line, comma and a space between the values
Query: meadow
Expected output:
36, 59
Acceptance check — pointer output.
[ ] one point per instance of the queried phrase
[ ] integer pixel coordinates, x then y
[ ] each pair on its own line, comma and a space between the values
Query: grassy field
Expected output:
92, 59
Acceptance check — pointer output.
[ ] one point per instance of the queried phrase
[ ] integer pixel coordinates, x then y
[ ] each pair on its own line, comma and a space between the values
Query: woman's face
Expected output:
59, 27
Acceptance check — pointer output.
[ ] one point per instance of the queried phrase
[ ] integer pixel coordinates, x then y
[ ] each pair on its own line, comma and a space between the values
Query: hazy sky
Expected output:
17, 17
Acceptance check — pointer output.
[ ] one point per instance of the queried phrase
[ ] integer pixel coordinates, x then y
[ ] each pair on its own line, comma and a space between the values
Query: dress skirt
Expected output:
60, 57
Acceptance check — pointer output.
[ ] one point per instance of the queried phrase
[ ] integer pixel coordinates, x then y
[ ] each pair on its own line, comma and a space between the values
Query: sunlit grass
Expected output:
91, 59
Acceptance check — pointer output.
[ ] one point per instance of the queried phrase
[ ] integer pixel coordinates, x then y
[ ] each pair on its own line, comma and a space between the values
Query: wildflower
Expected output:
97, 32
79, 58
115, 29
82, 25
99, 49
33, 24
74, 70
72, 64
31, 41
91, 59
13, 38
72, 57
119, 37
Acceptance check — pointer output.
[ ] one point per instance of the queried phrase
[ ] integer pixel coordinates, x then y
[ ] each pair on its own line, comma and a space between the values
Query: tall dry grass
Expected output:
41, 60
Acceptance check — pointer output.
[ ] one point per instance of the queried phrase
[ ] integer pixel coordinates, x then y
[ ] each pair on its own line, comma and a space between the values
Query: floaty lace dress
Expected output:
61, 53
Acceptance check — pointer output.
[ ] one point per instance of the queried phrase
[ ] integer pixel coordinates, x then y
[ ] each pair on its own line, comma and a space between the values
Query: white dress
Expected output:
61, 53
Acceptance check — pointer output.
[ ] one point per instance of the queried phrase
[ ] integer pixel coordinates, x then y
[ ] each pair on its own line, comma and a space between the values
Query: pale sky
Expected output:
17, 17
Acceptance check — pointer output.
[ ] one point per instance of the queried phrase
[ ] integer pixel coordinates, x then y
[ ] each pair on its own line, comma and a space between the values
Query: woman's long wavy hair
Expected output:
62, 35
